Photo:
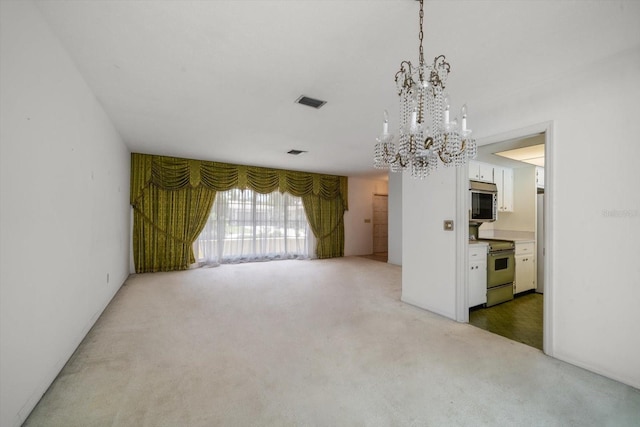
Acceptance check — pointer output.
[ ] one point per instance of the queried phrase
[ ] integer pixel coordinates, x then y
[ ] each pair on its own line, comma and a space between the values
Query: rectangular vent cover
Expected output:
295, 152
311, 102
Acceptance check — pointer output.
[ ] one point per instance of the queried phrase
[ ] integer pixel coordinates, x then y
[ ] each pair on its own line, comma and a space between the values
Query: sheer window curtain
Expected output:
248, 226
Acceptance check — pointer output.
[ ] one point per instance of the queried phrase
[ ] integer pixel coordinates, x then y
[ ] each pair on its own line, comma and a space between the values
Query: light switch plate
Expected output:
448, 225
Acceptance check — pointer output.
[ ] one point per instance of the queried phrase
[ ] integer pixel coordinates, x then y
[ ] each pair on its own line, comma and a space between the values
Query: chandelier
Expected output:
427, 135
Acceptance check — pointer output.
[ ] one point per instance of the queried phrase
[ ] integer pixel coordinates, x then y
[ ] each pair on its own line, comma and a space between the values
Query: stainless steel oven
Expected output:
500, 271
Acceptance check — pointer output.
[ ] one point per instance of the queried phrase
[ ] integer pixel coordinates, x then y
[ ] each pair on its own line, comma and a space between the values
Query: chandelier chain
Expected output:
421, 34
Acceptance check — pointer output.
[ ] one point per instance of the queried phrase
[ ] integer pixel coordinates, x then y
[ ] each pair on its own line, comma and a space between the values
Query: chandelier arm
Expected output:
439, 61
445, 150
406, 73
400, 162
445, 64
445, 161
388, 156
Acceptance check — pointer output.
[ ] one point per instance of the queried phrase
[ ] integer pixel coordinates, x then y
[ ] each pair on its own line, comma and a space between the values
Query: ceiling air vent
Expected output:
311, 102
295, 152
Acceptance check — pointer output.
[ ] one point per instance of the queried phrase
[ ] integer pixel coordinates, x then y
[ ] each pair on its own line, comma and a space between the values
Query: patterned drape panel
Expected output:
169, 212
326, 219
165, 225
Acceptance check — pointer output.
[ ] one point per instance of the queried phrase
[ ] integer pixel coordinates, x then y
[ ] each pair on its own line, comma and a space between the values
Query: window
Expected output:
248, 226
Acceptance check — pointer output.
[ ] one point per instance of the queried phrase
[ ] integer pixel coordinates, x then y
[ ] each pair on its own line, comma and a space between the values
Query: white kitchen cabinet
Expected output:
479, 171
474, 170
477, 274
503, 178
539, 177
525, 257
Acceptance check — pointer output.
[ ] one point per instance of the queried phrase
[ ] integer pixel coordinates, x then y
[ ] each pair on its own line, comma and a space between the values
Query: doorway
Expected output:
515, 319
380, 226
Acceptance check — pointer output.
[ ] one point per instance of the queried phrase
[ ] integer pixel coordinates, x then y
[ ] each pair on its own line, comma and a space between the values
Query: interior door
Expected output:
380, 223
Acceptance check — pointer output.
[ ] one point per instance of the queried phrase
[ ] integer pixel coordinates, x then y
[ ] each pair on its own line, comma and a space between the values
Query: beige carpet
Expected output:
310, 343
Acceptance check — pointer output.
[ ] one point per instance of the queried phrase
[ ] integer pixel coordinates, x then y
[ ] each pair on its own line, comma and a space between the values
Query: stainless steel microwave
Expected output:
484, 201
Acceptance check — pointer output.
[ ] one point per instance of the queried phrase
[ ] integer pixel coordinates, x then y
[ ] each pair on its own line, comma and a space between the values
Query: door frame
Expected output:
462, 230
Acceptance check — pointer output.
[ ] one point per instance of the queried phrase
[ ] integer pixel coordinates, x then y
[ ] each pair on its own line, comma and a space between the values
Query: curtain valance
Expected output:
172, 198
172, 173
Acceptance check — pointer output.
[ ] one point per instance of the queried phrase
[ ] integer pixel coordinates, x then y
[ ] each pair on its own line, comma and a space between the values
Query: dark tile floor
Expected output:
519, 320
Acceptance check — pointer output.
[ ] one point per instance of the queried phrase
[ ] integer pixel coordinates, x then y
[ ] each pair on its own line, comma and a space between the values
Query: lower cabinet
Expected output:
525, 258
477, 274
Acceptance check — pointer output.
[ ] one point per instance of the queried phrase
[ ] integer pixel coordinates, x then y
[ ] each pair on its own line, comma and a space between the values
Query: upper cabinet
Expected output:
539, 177
480, 171
503, 178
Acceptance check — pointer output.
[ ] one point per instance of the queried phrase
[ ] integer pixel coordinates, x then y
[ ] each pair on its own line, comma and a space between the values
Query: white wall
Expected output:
358, 235
395, 218
428, 251
64, 216
595, 207
523, 217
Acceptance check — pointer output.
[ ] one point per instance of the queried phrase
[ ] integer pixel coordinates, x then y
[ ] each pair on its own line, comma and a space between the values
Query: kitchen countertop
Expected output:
514, 236
521, 240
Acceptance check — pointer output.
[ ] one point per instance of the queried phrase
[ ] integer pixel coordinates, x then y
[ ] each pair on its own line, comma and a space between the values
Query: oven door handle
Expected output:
502, 253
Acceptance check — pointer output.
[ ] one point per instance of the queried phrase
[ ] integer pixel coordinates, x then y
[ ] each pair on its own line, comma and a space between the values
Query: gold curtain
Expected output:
161, 184
166, 223
326, 219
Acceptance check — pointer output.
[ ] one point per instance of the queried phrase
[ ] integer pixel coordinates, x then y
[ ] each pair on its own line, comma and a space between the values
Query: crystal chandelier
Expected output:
427, 136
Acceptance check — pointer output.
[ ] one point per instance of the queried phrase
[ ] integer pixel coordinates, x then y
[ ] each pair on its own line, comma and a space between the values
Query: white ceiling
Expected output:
217, 80
534, 145
532, 154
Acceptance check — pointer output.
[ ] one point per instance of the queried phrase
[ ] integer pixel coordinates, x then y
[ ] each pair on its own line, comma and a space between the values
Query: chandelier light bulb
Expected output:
446, 109
463, 112
385, 124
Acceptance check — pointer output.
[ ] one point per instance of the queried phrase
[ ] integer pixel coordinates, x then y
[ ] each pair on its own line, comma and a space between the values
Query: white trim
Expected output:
462, 243
516, 134
548, 343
